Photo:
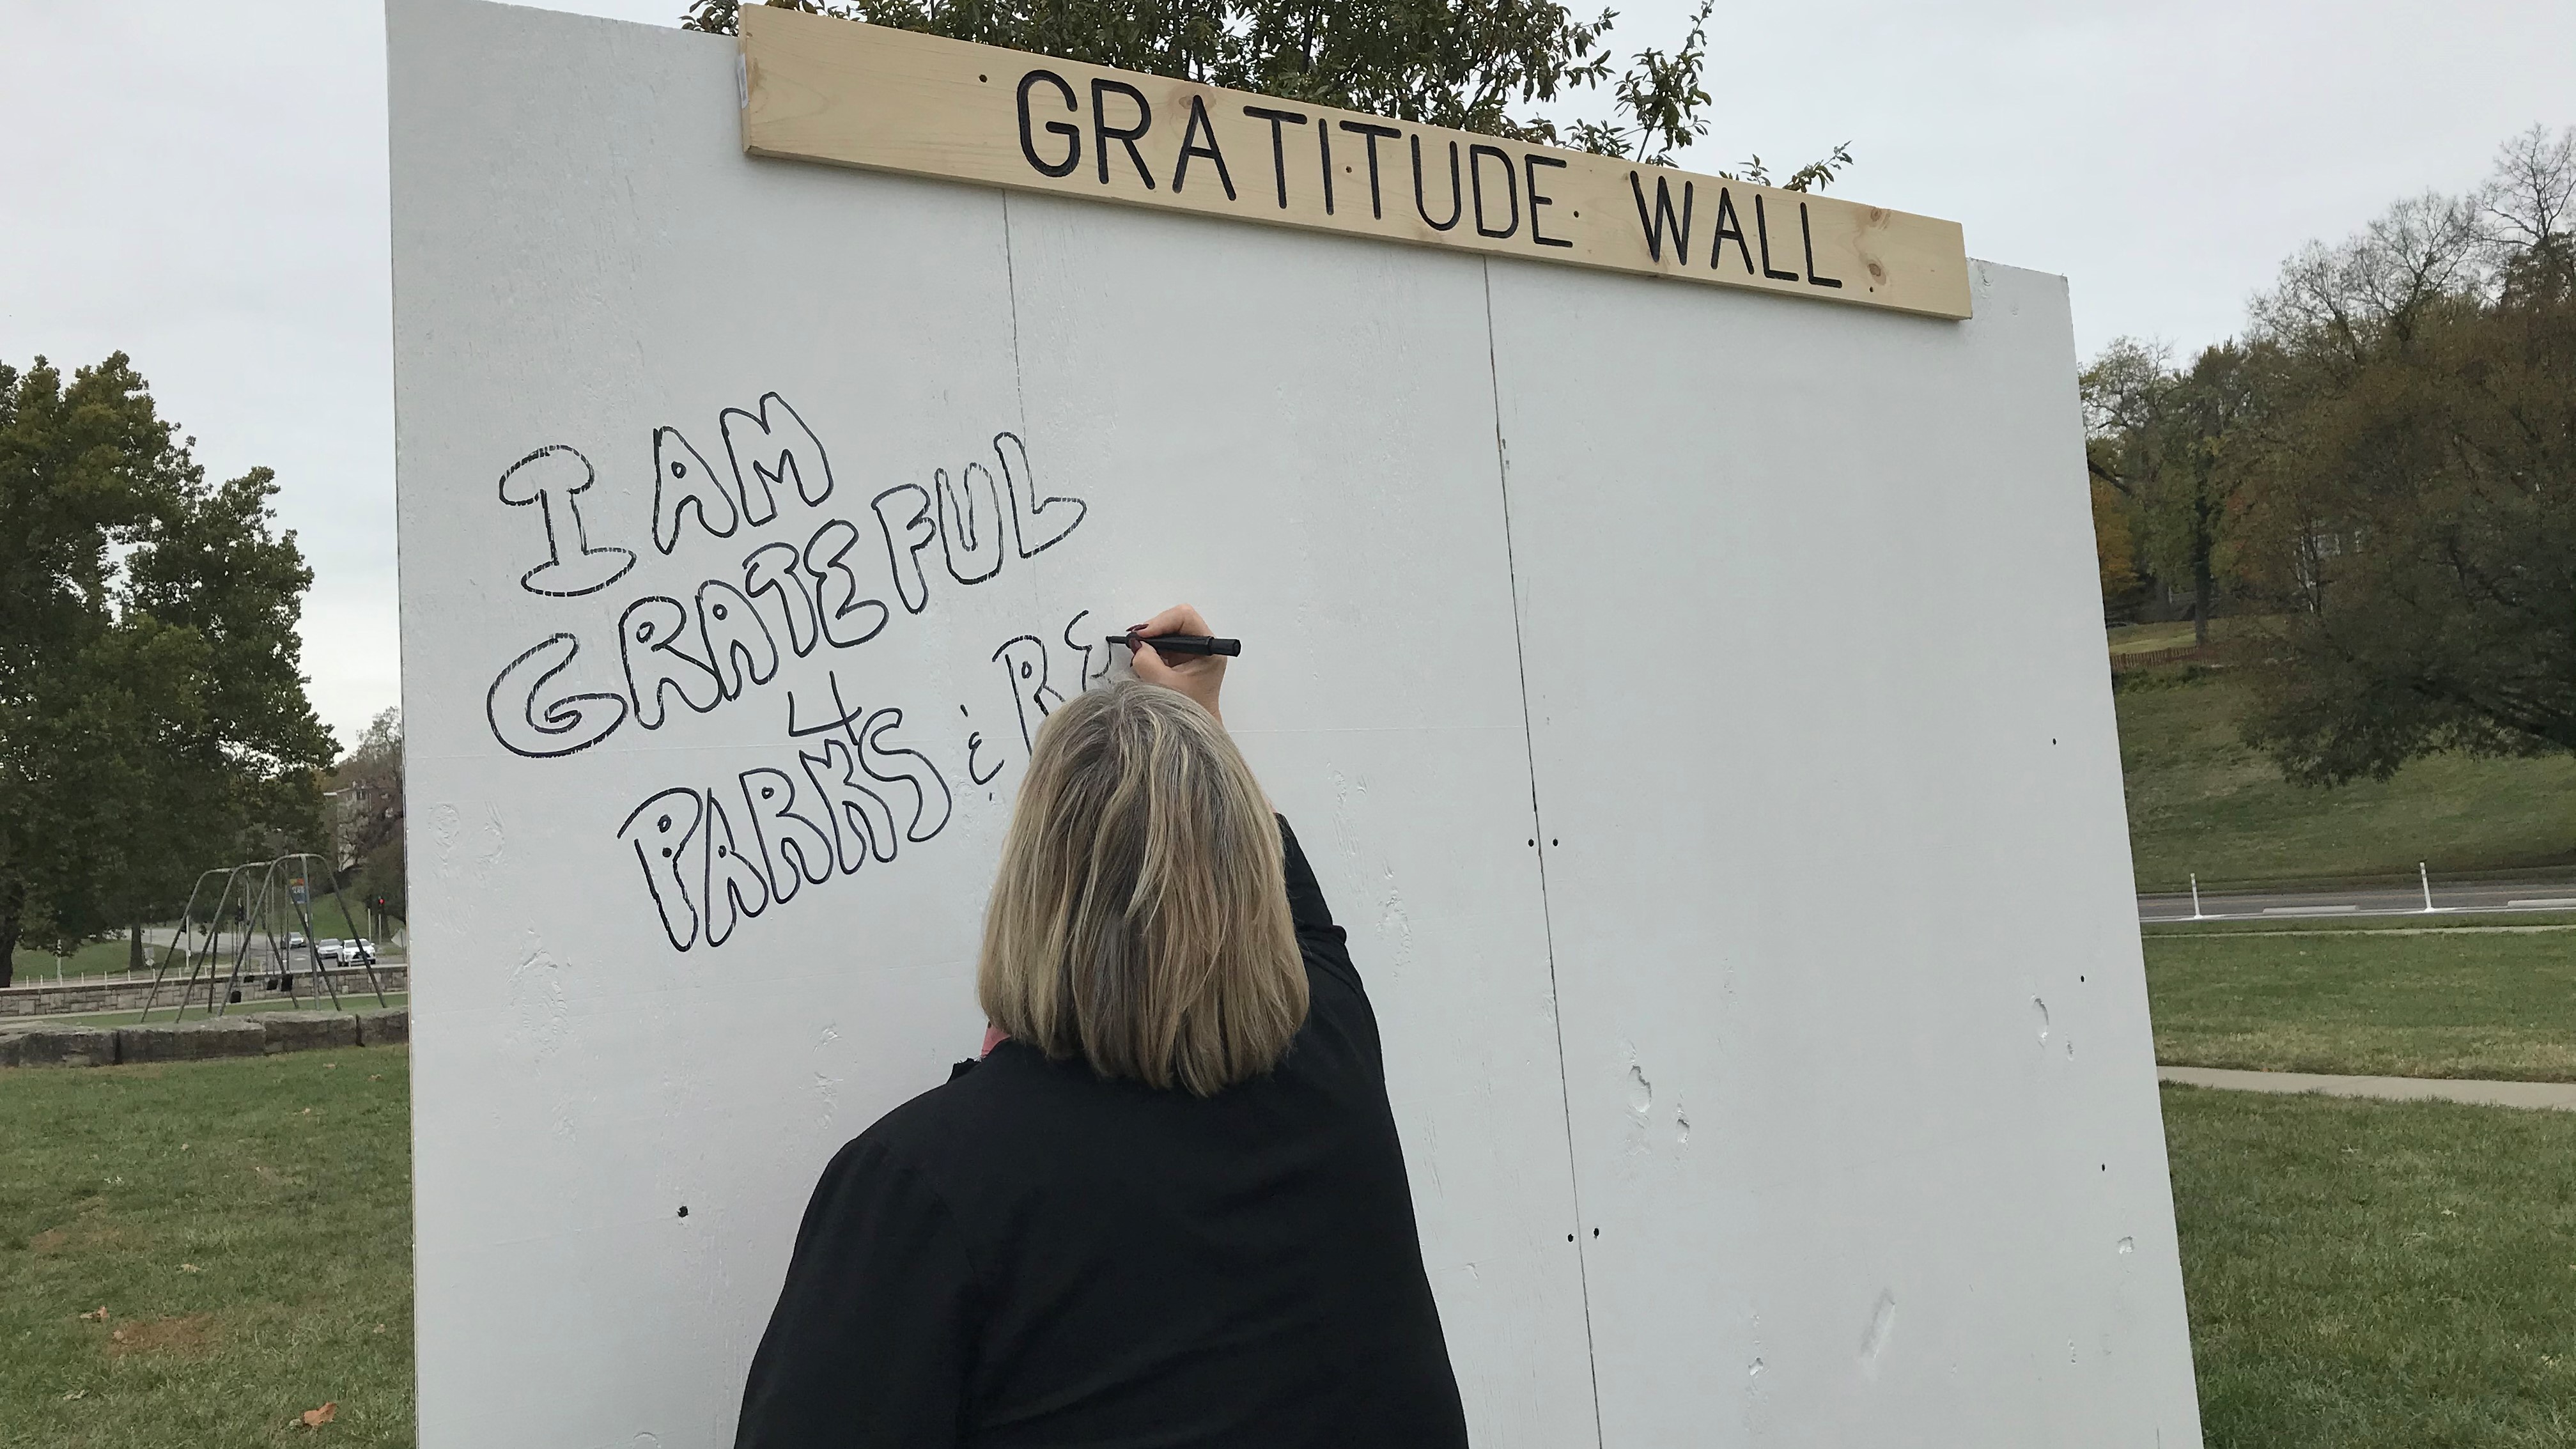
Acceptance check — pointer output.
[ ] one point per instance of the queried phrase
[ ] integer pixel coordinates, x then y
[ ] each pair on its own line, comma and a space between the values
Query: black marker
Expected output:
1182, 643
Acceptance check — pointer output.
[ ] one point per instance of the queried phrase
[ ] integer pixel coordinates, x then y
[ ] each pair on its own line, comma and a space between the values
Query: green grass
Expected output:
94, 958
2377, 1275
285, 1181
2151, 638
2440, 1003
2201, 801
2361, 1275
2502, 923
110, 956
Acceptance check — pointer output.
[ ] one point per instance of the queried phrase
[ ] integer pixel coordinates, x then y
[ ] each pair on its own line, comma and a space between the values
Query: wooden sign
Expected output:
820, 89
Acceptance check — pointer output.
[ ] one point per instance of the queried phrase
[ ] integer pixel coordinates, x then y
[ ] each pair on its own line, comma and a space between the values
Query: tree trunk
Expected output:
13, 900
134, 949
2200, 591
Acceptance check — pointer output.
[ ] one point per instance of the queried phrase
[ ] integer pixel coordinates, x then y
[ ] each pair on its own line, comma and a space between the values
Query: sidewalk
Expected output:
2560, 1096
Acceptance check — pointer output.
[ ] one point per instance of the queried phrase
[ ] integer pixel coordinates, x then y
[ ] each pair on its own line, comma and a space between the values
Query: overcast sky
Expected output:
203, 186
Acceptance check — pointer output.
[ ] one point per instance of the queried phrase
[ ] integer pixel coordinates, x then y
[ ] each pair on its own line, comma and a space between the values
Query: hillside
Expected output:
2200, 800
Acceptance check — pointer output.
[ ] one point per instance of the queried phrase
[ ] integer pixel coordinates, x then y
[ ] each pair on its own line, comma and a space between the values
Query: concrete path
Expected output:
2558, 1095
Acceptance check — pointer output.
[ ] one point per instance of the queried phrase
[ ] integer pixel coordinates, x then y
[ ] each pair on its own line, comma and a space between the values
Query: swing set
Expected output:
266, 898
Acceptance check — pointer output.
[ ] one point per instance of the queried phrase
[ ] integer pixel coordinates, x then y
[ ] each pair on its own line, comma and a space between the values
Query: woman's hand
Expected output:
1197, 675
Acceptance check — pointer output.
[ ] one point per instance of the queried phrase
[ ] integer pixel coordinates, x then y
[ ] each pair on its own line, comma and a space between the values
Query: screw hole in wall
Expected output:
684, 1209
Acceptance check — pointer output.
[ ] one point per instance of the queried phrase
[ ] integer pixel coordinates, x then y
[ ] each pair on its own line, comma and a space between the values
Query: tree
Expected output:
2115, 548
2168, 442
1471, 65
2415, 519
152, 717
366, 791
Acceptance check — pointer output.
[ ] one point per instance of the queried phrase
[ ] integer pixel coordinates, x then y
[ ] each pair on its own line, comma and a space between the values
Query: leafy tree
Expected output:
2115, 547
1472, 65
152, 719
2168, 442
366, 790
2415, 514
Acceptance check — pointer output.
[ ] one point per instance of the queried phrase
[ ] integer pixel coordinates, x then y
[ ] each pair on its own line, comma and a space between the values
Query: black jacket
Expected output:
1031, 1255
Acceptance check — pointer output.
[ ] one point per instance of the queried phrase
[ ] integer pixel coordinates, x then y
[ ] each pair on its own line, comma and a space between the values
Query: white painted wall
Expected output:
1856, 1040
1782, 783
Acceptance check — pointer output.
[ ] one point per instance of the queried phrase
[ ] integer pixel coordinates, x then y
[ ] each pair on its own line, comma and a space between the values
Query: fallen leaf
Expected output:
316, 1418
330, 1066
379, 1328
375, 1076
190, 1268
308, 1112
76, 1394
99, 1317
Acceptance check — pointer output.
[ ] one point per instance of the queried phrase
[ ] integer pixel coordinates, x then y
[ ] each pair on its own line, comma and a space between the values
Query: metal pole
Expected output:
183, 942
304, 914
369, 952
241, 953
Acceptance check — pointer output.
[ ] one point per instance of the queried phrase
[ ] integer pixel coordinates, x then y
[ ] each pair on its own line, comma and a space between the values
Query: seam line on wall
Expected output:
1547, 919
1011, 286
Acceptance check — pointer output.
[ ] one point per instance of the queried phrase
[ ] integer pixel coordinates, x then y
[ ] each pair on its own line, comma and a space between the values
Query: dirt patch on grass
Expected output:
184, 1335
75, 1238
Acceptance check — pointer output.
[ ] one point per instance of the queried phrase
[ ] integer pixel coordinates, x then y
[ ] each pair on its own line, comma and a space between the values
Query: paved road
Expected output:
2467, 898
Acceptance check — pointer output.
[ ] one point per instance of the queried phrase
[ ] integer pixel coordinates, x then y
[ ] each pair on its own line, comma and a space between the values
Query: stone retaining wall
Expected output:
84, 996
249, 1035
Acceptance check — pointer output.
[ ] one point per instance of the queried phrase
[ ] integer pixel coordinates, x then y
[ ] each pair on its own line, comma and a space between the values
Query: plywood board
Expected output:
1862, 1094
1724, 705
1344, 479
581, 1078
820, 89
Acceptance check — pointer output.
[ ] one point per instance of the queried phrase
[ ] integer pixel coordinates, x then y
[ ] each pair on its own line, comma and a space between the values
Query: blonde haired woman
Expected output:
1168, 1208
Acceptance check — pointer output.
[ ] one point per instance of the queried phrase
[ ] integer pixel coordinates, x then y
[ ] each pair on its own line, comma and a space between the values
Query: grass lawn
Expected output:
246, 1225
109, 957
2436, 1003
2406, 924
2361, 1275
94, 958
2200, 800
2377, 1275
2129, 639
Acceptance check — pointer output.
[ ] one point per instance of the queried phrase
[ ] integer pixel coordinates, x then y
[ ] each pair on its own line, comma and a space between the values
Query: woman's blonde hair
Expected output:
1140, 918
